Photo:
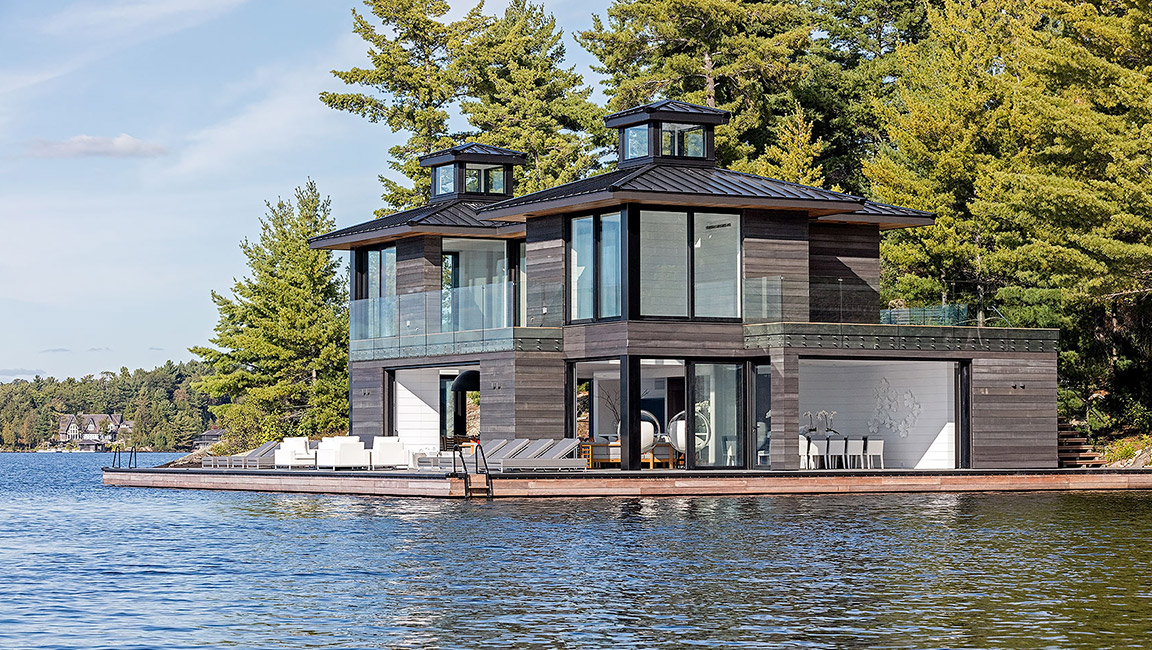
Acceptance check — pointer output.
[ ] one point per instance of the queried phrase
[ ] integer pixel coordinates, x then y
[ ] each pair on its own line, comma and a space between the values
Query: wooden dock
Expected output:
650, 483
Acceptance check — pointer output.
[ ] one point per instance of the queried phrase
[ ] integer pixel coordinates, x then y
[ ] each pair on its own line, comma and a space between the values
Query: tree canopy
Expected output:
281, 342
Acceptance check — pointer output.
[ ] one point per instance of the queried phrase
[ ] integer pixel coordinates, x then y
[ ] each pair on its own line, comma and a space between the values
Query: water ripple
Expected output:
95, 567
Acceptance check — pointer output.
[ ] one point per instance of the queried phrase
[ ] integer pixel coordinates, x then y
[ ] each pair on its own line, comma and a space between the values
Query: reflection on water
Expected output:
88, 566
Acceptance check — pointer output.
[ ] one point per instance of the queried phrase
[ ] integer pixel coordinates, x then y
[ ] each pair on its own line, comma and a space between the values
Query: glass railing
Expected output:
816, 299
938, 315
446, 321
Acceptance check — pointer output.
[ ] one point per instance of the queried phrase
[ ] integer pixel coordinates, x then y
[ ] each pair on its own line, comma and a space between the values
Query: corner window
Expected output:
690, 264
443, 180
594, 280
682, 140
636, 141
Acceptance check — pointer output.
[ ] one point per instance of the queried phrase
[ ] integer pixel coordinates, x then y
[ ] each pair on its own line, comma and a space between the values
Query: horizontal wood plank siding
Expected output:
545, 271
844, 267
776, 246
366, 400
654, 338
1014, 412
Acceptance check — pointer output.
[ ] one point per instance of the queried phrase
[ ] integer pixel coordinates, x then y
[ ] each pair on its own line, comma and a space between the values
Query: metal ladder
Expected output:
472, 488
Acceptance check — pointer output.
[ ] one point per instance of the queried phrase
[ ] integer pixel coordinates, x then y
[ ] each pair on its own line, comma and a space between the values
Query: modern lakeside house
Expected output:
673, 295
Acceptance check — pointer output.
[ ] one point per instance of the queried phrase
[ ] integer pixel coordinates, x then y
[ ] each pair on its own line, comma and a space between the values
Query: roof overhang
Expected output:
392, 233
594, 200
884, 221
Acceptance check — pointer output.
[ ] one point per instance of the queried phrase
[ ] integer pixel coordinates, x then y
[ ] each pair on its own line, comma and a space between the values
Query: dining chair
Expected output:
854, 453
818, 454
874, 449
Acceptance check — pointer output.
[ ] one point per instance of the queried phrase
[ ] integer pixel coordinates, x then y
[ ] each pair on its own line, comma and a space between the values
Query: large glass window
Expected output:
636, 141
474, 284
683, 140
609, 265
443, 180
594, 282
522, 286
581, 277
716, 389
663, 263
375, 309
716, 264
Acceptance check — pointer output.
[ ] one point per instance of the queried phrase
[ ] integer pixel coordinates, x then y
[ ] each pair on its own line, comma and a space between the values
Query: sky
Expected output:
139, 140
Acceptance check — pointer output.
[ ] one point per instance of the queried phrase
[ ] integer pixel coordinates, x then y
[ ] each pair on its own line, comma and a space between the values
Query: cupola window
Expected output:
682, 140
636, 141
443, 180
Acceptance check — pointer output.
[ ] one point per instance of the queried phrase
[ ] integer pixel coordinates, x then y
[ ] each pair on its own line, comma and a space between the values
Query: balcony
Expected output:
461, 320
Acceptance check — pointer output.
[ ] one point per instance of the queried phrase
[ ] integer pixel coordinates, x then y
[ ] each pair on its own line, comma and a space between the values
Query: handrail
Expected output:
480, 456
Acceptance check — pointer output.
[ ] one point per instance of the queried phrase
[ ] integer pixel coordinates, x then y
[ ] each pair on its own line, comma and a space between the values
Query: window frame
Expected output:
597, 265
690, 214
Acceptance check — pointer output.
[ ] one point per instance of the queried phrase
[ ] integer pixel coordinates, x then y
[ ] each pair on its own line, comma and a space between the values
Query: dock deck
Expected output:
646, 483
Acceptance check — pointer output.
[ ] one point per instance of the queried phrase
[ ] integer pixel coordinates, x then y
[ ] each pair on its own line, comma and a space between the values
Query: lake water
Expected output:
88, 566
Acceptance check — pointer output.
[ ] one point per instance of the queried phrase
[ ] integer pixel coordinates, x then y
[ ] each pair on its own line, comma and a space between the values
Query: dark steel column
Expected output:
629, 412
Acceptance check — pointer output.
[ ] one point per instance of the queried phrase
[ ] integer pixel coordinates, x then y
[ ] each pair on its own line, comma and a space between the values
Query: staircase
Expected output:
1073, 449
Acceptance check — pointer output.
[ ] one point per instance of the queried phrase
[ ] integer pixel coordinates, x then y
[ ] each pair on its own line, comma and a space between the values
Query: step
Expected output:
1068, 441
1075, 448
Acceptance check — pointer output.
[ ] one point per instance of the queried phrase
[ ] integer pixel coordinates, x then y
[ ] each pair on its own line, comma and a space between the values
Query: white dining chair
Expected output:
818, 454
874, 449
836, 454
854, 453
804, 451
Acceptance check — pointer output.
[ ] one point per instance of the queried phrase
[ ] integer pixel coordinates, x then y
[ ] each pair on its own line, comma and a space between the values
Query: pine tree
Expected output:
794, 157
739, 55
414, 78
1025, 125
522, 98
282, 339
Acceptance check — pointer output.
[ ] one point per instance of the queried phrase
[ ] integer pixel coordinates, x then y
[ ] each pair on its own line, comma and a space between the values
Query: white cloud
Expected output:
121, 146
138, 19
286, 121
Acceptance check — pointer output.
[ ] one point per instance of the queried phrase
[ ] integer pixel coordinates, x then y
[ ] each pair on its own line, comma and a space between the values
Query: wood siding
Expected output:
545, 271
417, 264
785, 448
776, 246
654, 338
366, 400
1014, 412
844, 262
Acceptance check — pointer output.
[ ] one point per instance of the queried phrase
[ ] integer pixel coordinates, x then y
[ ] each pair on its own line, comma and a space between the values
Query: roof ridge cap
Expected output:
777, 180
644, 169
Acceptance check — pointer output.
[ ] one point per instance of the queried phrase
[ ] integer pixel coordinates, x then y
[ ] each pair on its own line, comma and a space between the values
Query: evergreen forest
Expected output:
1024, 125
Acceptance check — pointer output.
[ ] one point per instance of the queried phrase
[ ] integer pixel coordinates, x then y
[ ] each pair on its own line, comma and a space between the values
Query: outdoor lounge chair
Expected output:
294, 452
557, 457
252, 458
342, 452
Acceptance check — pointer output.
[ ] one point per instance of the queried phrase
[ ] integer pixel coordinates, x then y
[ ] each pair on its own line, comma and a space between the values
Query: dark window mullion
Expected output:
689, 414
595, 267
691, 271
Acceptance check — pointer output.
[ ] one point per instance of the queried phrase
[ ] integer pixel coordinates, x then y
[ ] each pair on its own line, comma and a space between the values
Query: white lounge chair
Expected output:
557, 457
294, 452
387, 451
342, 452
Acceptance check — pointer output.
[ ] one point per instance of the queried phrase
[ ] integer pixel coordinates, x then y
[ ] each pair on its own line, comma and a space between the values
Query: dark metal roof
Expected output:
673, 181
449, 213
668, 109
474, 152
886, 210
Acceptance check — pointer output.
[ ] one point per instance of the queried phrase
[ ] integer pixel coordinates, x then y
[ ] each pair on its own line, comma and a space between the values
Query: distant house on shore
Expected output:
92, 430
207, 439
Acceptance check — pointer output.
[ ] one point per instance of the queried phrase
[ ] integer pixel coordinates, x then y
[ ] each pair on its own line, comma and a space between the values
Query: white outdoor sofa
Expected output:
294, 452
387, 451
344, 452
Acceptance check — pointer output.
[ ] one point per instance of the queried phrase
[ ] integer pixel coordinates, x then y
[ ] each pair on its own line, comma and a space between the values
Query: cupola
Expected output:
667, 131
472, 171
